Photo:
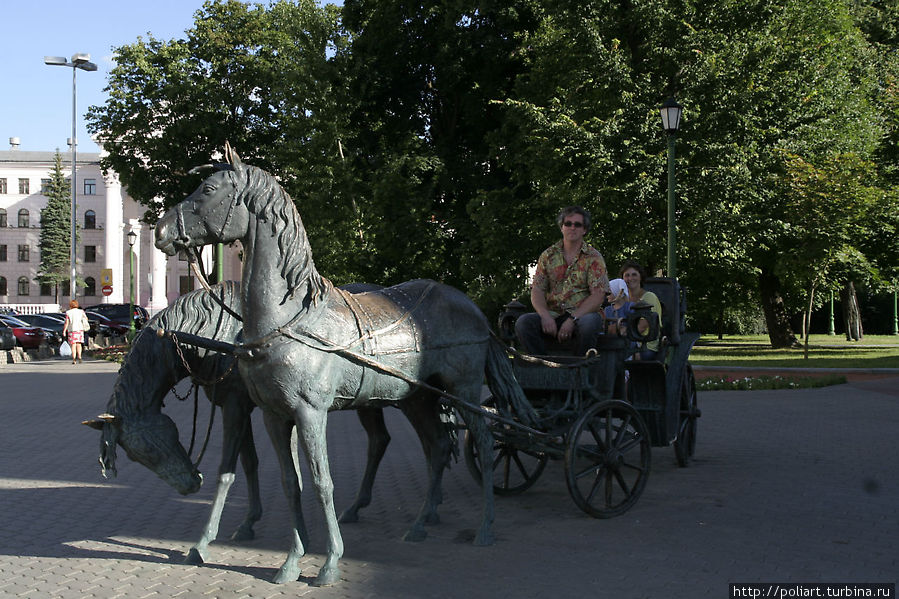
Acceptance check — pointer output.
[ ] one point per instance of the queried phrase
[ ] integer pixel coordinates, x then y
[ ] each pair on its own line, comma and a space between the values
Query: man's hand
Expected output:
548, 324
566, 331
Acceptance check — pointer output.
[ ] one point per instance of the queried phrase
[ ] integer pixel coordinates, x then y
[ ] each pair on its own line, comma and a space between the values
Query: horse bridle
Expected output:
193, 257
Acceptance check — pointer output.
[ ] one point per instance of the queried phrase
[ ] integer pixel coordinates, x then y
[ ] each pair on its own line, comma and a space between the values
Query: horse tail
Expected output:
503, 384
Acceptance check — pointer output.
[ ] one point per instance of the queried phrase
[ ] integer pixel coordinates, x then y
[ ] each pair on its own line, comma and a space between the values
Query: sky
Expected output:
36, 99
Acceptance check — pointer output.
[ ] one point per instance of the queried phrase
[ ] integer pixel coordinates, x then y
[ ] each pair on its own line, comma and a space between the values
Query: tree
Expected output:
252, 75
56, 230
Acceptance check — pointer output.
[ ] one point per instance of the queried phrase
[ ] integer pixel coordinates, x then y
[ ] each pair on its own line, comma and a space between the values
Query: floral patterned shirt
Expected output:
567, 285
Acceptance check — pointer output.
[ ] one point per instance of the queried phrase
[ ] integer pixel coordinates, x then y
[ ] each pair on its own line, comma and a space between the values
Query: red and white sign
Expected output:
107, 290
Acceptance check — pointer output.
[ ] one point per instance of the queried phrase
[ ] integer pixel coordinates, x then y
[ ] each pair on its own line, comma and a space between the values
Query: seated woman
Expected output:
633, 275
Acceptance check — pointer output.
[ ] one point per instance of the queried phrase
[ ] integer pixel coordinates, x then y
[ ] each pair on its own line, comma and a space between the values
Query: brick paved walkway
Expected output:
787, 486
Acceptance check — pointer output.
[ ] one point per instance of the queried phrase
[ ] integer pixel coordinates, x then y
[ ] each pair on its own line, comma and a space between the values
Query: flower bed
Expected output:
762, 382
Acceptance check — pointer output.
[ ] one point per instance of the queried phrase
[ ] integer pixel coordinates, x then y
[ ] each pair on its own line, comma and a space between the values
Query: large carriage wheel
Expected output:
685, 444
514, 469
607, 459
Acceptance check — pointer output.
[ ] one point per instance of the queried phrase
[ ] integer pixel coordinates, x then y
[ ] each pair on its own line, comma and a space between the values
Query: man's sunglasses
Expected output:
576, 225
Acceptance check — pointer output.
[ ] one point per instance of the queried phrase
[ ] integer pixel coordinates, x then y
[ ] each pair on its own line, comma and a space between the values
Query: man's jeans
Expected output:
529, 331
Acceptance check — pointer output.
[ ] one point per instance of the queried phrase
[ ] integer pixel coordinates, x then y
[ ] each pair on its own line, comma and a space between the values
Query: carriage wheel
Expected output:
685, 444
514, 469
607, 459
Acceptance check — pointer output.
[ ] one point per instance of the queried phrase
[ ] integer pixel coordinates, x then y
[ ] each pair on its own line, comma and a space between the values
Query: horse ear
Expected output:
231, 156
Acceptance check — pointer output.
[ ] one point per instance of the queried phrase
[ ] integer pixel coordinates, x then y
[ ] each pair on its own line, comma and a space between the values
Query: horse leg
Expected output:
372, 420
279, 432
424, 414
477, 425
232, 439
311, 430
249, 461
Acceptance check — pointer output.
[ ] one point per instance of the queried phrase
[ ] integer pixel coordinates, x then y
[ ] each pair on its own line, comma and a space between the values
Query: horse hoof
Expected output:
287, 574
195, 557
244, 533
415, 535
327, 577
484, 539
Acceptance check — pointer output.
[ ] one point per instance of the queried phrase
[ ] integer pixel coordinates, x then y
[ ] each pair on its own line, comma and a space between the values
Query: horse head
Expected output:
152, 441
213, 213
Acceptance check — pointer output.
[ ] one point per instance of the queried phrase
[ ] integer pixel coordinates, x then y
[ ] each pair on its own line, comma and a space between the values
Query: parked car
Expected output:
119, 313
7, 337
52, 327
101, 325
27, 336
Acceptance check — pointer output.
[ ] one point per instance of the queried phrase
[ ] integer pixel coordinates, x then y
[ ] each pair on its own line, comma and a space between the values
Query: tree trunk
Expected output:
807, 318
779, 331
852, 317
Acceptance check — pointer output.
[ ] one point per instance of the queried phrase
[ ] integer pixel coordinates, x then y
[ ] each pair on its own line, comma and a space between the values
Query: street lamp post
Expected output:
671, 115
79, 61
132, 237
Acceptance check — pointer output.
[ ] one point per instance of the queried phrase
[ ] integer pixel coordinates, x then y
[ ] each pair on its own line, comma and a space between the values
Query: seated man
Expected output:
569, 288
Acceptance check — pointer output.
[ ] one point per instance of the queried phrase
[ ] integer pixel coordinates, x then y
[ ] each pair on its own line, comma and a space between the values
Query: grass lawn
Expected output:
825, 351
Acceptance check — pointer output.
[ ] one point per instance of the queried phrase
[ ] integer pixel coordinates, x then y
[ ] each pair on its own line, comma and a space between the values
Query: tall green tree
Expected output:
256, 76
56, 230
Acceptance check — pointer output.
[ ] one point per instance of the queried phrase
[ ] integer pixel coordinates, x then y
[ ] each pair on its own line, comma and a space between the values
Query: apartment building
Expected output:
105, 215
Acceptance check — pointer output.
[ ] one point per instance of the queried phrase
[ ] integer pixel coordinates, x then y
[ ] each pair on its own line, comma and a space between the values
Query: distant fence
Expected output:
29, 308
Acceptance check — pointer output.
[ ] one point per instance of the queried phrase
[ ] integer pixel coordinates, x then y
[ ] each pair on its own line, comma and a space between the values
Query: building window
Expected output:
90, 187
3, 290
3, 253
24, 253
46, 289
3, 185
23, 217
45, 186
24, 286
2, 217
90, 253
90, 220
65, 288
186, 284
23, 187
90, 286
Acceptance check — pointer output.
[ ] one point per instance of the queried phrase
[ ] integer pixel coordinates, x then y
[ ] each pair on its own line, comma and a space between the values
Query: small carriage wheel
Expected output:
514, 469
685, 444
607, 459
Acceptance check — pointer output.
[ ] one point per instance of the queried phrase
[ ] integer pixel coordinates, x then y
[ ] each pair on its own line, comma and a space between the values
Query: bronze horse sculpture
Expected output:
310, 348
134, 418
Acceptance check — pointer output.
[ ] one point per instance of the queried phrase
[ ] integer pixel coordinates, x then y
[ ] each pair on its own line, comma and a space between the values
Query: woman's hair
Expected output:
569, 210
73, 303
629, 264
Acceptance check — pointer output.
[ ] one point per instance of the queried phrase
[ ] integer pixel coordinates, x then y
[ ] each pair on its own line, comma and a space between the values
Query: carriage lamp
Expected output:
79, 61
671, 116
132, 238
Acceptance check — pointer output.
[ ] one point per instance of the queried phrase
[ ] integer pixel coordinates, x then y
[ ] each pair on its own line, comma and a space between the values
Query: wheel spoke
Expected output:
521, 467
634, 441
621, 430
594, 488
622, 483
597, 436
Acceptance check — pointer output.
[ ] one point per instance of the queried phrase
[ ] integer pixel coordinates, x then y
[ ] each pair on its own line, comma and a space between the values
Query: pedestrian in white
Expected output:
76, 325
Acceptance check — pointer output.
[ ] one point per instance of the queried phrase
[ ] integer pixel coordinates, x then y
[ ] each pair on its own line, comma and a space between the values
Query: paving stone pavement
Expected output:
787, 486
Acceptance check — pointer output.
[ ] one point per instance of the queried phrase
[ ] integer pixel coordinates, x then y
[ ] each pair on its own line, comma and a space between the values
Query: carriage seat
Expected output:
674, 307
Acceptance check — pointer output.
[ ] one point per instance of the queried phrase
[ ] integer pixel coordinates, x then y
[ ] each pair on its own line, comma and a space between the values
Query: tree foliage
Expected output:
439, 139
56, 229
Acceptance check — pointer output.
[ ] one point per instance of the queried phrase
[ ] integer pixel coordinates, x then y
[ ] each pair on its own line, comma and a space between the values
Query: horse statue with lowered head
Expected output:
309, 348
155, 363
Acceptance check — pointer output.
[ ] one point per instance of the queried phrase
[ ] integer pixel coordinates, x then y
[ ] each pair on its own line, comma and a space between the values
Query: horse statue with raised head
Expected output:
155, 364
309, 348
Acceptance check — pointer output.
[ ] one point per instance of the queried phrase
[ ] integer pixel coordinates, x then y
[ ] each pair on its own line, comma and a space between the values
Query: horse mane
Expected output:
153, 363
265, 198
